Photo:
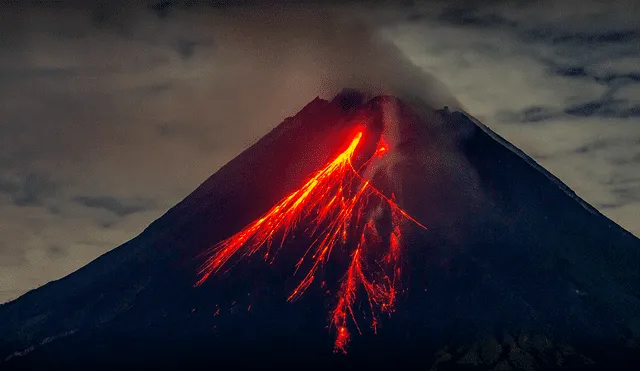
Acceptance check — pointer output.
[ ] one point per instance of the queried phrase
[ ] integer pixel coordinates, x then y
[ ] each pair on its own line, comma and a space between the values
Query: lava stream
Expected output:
335, 203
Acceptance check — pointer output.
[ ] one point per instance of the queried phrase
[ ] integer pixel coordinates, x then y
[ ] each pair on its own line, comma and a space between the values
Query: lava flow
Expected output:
336, 204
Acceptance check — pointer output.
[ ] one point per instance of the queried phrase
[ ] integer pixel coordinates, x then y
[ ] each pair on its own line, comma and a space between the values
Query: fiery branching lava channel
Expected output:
337, 207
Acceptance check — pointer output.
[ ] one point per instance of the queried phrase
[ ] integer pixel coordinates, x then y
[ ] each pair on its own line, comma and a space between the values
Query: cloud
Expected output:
27, 190
114, 205
558, 80
187, 47
469, 17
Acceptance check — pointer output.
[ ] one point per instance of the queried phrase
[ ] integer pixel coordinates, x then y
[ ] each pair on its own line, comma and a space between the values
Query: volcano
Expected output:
366, 233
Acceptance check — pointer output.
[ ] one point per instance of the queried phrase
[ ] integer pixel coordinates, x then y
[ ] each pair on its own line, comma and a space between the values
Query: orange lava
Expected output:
335, 202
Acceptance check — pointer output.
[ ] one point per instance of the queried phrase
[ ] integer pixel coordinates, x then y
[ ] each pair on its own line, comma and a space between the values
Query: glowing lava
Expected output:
336, 203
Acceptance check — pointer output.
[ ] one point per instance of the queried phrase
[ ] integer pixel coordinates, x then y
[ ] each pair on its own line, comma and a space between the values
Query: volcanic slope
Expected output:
514, 271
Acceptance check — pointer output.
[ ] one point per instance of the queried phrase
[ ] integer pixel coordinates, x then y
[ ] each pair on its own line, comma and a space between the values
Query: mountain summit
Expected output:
360, 232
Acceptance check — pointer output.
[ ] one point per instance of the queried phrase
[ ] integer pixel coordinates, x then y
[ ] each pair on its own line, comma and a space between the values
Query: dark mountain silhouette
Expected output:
514, 272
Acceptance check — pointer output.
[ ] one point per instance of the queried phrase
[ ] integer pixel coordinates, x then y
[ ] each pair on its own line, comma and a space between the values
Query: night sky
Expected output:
113, 112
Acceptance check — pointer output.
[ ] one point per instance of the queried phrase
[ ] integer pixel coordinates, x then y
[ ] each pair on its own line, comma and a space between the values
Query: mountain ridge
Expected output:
526, 258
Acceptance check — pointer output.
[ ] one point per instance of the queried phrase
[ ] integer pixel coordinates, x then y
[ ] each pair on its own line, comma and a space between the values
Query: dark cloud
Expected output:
604, 108
635, 159
628, 194
573, 72
466, 17
610, 205
557, 37
8, 185
606, 105
28, 190
596, 38
583, 72
625, 78
163, 7
601, 144
33, 190
117, 206
532, 114
187, 47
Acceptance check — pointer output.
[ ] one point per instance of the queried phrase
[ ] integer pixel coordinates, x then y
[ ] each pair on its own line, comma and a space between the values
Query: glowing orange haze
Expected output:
335, 202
